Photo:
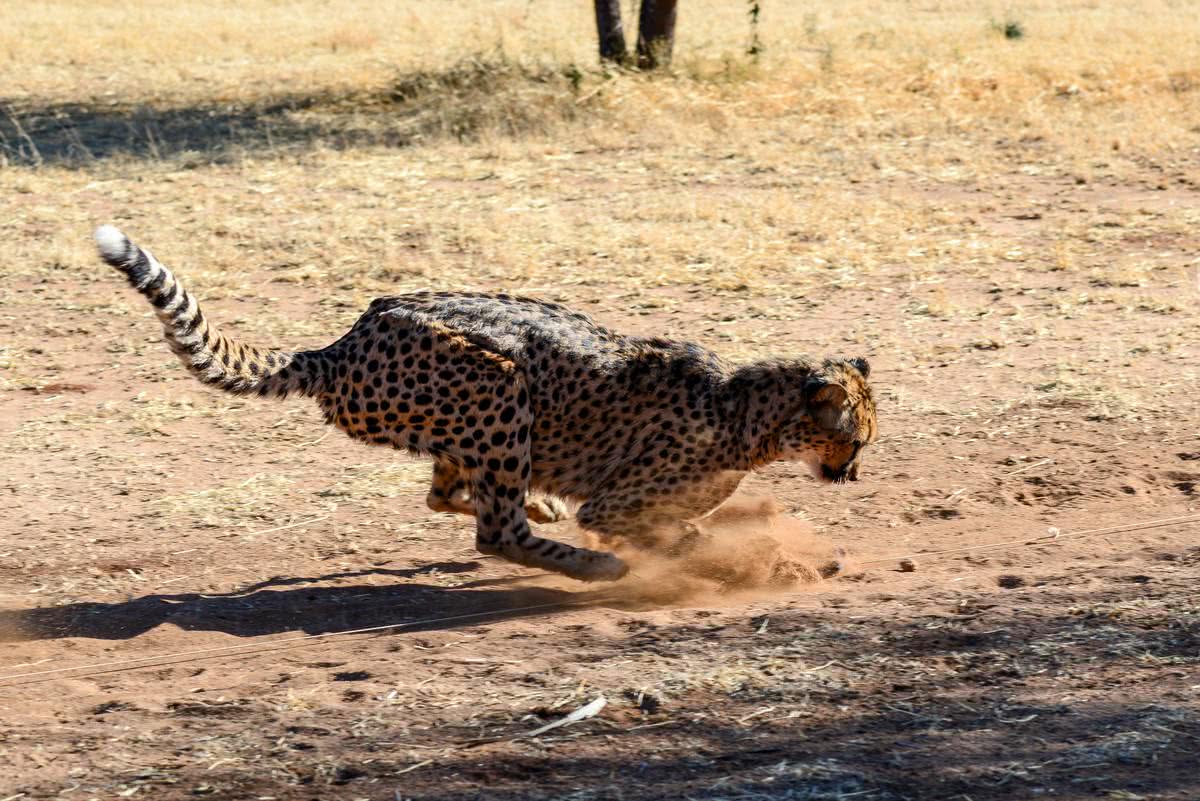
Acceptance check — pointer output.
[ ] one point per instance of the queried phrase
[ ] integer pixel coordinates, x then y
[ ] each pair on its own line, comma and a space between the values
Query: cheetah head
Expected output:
835, 423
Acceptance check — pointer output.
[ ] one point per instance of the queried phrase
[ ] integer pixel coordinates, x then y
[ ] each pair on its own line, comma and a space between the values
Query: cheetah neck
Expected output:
759, 398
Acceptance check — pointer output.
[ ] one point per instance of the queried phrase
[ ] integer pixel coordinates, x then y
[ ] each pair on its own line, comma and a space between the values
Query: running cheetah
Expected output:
509, 394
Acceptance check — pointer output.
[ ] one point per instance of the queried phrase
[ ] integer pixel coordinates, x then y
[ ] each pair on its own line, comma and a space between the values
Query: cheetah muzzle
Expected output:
509, 394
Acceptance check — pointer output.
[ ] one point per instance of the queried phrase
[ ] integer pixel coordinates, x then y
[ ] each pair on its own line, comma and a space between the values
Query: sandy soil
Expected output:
1048, 667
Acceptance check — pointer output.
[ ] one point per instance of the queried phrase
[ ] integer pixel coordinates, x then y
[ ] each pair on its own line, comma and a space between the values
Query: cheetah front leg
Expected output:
641, 511
450, 491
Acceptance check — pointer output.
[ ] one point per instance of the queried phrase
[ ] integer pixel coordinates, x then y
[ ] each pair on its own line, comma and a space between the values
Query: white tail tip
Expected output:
114, 245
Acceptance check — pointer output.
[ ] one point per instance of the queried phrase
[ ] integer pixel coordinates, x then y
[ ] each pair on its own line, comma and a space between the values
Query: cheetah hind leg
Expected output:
622, 511
450, 491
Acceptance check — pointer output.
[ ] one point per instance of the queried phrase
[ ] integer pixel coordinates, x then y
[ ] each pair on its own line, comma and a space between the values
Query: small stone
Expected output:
908, 566
1010, 582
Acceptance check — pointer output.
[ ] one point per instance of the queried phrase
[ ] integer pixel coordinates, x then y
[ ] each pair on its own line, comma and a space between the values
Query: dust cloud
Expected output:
748, 549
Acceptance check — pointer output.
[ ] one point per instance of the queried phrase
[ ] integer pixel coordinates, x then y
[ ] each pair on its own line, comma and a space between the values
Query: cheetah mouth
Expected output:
847, 472
833, 476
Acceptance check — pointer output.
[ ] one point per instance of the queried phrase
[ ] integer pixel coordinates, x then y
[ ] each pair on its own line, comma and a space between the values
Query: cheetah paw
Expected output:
835, 565
693, 538
599, 566
547, 510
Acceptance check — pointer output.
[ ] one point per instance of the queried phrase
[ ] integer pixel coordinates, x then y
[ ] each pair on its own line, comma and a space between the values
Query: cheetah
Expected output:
508, 394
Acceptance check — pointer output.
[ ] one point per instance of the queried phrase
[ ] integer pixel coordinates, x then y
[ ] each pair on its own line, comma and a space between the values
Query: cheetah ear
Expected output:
819, 391
860, 364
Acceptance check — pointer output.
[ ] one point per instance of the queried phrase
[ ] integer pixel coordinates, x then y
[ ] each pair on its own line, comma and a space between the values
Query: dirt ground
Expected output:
177, 567
1064, 668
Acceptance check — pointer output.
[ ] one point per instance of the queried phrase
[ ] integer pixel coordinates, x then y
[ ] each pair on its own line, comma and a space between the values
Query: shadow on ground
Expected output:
460, 102
988, 708
78, 135
258, 610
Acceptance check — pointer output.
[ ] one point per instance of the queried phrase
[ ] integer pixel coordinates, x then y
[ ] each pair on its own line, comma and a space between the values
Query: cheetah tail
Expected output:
215, 359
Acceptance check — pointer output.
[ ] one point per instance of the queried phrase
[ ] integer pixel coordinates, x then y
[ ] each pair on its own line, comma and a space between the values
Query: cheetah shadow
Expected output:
260, 609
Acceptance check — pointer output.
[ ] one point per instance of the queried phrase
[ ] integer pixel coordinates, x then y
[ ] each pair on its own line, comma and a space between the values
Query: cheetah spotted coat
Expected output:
509, 394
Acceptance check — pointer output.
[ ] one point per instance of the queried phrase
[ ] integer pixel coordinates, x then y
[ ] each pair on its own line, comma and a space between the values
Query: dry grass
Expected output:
731, 175
1092, 81
233, 51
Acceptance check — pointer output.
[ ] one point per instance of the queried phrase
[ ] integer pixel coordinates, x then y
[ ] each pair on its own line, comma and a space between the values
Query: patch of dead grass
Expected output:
257, 499
367, 484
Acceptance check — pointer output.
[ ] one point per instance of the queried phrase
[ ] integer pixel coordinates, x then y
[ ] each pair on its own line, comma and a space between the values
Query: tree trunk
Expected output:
656, 33
610, 30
